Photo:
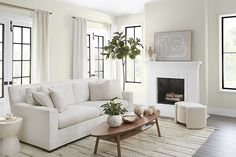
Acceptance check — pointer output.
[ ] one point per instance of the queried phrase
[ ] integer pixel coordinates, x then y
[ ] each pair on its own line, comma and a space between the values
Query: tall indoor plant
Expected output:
121, 48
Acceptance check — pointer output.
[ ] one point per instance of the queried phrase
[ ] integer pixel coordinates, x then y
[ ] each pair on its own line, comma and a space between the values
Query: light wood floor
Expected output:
222, 143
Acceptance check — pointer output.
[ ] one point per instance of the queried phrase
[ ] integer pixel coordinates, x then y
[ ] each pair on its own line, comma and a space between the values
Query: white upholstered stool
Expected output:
192, 114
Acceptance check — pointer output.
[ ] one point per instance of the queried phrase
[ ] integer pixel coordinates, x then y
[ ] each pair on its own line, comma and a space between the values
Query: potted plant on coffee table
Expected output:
114, 110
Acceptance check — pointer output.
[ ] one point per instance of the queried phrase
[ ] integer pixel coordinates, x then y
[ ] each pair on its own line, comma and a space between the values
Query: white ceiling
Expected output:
113, 7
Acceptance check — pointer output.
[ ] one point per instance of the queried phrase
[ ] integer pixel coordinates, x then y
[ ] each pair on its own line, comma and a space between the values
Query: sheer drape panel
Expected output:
80, 48
112, 68
40, 53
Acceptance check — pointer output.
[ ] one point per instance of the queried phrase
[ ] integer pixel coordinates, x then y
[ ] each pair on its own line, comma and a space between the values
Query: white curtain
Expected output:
112, 68
80, 50
40, 53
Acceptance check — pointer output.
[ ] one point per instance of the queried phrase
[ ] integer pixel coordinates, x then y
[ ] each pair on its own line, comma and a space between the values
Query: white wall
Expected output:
136, 88
174, 15
219, 102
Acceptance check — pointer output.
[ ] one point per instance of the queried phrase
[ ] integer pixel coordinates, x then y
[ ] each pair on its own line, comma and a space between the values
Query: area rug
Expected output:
176, 140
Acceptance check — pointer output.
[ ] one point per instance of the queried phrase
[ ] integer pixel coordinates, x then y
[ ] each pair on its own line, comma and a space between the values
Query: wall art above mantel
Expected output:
173, 46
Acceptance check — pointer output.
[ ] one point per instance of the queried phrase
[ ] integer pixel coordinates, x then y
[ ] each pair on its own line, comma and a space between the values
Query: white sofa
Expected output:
46, 128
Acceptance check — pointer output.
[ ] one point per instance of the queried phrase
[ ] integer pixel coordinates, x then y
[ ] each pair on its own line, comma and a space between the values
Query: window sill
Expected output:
133, 82
231, 91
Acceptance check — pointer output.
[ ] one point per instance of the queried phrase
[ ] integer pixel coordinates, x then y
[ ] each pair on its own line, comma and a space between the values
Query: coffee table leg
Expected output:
96, 145
158, 128
118, 145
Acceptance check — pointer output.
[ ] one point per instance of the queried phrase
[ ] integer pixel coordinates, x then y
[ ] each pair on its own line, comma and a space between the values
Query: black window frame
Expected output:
3, 44
134, 79
89, 54
99, 50
223, 52
22, 60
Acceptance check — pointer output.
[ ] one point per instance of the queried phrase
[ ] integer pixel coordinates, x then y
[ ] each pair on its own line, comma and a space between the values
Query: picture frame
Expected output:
173, 46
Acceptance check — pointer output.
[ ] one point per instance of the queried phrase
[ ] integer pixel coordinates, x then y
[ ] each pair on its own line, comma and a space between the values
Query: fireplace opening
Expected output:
170, 90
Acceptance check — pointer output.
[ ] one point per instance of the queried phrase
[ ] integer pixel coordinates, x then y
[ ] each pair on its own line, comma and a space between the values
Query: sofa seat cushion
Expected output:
77, 113
98, 104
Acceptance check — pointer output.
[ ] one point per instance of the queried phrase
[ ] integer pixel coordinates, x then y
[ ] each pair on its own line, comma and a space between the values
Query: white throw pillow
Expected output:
43, 99
29, 97
99, 90
58, 100
115, 89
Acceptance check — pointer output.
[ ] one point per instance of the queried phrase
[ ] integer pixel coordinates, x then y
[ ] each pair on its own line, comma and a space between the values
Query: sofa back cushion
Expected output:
67, 90
17, 93
81, 90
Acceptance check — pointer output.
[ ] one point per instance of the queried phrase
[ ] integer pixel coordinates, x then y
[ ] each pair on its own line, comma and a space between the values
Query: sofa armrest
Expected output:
40, 125
128, 96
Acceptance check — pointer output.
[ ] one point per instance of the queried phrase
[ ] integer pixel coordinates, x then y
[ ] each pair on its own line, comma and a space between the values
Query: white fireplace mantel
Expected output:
189, 71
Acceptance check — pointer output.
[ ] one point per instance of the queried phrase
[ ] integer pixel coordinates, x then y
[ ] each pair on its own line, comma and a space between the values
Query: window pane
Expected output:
138, 33
96, 65
1, 46
229, 34
130, 69
0, 71
230, 70
130, 33
16, 69
100, 65
88, 52
26, 68
16, 81
26, 35
96, 51
101, 42
100, 54
26, 80
1, 32
17, 35
17, 51
1, 94
138, 67
26, 52
95, 42
100, 75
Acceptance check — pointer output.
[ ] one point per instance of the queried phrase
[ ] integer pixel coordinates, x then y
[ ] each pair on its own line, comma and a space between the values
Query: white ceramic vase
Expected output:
114, 121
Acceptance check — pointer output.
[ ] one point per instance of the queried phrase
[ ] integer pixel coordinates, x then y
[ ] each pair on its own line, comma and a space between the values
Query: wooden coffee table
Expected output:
103, 131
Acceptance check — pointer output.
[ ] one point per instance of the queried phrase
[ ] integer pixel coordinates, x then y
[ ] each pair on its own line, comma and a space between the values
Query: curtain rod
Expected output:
92, 20
20, 7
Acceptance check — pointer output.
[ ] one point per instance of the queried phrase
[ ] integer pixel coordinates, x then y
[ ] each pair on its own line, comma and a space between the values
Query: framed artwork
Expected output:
173, 46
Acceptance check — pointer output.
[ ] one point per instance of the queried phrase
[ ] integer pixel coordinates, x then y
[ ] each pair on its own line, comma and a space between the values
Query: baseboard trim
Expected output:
222, 112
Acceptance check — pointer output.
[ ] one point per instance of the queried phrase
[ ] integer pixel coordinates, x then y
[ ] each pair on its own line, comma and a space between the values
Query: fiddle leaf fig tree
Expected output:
119, 48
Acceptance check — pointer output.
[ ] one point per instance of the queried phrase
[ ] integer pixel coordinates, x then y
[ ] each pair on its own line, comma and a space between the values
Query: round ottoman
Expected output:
194, 115
9, 143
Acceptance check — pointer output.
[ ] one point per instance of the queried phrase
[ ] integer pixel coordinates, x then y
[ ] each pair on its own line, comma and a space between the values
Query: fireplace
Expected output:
170, 90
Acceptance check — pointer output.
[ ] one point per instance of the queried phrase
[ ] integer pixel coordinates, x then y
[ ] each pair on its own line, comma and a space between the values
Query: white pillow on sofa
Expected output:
104, 90
58, 99
43, 99
99, 90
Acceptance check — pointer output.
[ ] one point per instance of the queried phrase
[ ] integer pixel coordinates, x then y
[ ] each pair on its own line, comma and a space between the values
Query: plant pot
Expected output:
114, 121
